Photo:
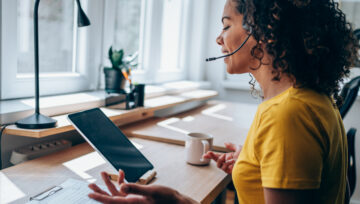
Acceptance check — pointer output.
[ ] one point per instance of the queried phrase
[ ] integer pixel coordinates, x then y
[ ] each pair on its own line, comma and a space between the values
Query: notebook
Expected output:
72, 191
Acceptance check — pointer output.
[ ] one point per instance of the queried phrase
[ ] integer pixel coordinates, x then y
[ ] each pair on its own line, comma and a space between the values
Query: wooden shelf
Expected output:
119, 117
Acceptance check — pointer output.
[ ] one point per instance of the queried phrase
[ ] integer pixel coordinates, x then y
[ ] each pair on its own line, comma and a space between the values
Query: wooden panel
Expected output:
119, 117
226, 121
202, 183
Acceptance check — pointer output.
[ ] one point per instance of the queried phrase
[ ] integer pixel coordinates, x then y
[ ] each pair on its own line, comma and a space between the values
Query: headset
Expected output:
246, 27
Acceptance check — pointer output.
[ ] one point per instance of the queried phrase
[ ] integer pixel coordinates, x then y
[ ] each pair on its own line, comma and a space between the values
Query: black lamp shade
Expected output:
83, 20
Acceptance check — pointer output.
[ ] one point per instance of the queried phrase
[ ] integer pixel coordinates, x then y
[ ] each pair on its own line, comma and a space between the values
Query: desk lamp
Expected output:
37, 120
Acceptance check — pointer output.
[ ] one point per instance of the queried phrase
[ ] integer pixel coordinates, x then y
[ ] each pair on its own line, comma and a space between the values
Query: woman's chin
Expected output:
230, 71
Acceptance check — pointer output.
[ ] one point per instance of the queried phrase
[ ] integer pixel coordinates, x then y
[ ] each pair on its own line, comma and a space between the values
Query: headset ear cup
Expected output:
250, 30
247, 28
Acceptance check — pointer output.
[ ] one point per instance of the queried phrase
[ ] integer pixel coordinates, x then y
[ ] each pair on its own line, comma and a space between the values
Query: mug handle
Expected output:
206, 146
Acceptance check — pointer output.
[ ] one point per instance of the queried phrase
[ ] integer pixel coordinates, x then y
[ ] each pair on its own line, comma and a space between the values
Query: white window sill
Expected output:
13, 110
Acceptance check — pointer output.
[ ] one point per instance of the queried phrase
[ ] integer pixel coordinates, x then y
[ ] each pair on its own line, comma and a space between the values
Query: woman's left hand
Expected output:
135, 193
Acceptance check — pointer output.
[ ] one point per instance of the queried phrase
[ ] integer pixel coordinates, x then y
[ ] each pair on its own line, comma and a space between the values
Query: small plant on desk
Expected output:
120, 71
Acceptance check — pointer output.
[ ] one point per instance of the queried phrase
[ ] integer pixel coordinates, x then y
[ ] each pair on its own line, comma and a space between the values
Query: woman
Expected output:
296, 150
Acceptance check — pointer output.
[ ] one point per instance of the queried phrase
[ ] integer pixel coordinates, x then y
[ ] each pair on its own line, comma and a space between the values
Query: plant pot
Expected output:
114, 81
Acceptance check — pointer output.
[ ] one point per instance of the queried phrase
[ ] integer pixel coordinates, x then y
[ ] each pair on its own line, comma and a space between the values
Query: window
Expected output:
127, 25
72, 59
351, 8
56, 19
156, 29
173, 25
59, 42
171, 33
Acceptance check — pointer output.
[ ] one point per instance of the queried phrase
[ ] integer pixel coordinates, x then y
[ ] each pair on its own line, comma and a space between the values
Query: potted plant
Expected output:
114, 75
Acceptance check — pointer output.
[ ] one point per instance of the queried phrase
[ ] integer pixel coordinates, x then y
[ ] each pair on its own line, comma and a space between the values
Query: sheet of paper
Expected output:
72, 192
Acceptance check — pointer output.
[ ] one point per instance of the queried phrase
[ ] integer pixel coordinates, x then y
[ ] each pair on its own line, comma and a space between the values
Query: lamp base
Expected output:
36, 121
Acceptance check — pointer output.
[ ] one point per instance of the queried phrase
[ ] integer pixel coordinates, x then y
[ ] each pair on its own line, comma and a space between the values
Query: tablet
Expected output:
108, 140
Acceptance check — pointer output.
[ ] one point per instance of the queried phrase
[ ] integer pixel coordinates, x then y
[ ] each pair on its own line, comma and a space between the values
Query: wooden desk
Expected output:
226, 121
20, 182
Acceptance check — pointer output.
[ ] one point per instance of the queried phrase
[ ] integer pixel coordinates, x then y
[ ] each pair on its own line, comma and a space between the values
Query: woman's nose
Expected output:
219, 40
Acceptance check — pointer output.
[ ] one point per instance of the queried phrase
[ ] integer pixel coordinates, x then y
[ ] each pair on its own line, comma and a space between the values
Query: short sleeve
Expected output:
289, 148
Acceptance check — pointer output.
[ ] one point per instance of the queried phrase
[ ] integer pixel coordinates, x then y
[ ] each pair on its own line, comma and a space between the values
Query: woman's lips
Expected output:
225, 53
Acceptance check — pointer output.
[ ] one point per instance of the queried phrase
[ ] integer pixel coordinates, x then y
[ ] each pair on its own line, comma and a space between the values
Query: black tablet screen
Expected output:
108, 139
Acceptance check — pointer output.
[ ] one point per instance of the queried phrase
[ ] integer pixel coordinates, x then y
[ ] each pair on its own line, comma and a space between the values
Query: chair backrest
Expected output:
351, 174
349, 94
357, 35
350, 90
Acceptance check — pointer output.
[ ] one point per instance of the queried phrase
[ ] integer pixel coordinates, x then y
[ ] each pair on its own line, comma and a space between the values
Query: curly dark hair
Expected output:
309, 40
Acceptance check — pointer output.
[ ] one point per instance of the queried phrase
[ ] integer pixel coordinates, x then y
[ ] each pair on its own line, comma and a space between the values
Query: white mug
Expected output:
196, 145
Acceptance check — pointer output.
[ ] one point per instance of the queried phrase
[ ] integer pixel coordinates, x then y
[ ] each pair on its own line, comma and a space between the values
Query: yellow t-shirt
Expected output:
297, 141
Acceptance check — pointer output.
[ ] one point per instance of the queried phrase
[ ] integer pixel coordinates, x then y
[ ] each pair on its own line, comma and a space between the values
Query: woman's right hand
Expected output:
225, 161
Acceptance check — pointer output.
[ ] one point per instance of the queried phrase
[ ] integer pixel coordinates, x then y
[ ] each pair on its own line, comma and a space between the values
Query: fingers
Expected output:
226, 166
230, 146
101, 198
221, 160
212, 155
107, 199
230, 168
132, 188
96, 189
121, 177
108, 183
229, 156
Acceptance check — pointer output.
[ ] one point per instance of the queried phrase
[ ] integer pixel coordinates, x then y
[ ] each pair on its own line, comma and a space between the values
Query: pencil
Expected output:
126, 75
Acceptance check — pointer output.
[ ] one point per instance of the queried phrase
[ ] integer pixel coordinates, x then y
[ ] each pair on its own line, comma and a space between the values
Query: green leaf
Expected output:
116, 57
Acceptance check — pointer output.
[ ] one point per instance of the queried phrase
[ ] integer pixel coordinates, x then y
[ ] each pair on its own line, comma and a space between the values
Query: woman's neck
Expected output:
270, 87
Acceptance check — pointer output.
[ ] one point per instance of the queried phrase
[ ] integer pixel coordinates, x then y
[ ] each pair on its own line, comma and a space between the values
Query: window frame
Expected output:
50, 84
160, 74
149, 70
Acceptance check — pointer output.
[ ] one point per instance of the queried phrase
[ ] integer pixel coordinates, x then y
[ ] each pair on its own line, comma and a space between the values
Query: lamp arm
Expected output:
84, 21
36, 53
38, 121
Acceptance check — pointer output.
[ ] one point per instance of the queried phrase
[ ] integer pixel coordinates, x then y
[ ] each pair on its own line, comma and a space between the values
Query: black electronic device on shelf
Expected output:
132, 99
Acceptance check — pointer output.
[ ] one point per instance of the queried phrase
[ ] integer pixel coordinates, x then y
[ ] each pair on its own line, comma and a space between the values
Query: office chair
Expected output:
349, 94
350, 89
357, 34
351, 173
351, 160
